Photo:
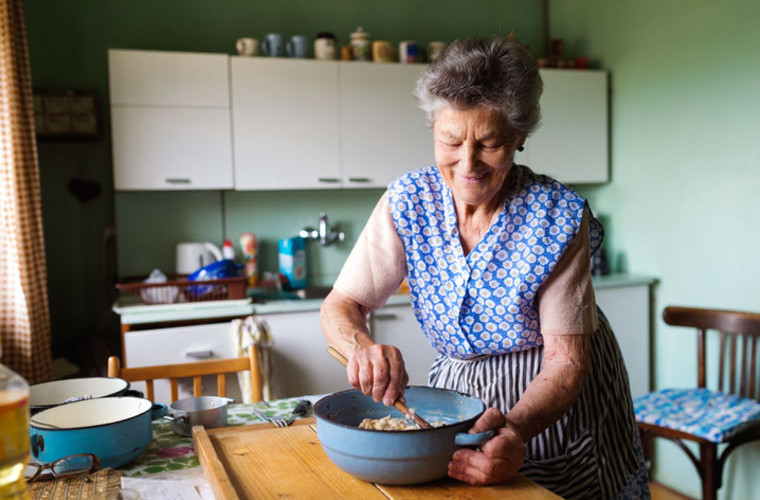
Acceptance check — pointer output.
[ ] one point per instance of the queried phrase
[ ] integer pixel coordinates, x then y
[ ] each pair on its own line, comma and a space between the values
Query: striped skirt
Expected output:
593, 451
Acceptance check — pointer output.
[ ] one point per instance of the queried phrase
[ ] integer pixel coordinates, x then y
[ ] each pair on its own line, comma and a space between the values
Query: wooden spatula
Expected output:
411, 416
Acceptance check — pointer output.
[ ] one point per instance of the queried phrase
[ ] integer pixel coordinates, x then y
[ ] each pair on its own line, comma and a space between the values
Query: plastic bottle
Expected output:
14, 434
228, 251
249, 248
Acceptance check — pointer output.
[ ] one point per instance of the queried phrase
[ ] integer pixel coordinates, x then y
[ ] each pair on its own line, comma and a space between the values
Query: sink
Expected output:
265, 295
314, 292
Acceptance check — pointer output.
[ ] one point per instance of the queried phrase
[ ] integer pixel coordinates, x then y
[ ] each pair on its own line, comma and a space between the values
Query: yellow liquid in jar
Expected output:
14, 444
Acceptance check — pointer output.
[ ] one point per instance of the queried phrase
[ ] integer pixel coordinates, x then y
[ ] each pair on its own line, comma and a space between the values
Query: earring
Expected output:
521, 148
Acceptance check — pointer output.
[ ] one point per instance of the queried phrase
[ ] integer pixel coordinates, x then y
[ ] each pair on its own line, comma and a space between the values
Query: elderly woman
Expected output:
497, 262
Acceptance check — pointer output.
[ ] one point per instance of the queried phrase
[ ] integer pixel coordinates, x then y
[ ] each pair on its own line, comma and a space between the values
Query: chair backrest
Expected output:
740, 362
196, 370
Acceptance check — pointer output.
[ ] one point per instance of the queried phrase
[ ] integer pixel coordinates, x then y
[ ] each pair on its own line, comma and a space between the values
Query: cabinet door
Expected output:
383, 132
397, 325
161, 148
285, 123
300, 361
170, 120
571, 142
182, 344
156, 78
627, 309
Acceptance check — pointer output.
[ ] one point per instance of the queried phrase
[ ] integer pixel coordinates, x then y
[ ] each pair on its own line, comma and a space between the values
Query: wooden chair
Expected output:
728, 416
196, 370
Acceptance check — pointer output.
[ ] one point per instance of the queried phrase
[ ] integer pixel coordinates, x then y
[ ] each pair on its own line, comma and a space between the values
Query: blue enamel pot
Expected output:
397, 457
116, 429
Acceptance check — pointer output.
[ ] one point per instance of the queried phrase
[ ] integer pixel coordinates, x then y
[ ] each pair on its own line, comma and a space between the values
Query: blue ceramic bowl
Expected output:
397, 457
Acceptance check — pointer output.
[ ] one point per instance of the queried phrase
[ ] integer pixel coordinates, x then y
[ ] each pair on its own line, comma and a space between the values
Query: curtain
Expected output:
24, 314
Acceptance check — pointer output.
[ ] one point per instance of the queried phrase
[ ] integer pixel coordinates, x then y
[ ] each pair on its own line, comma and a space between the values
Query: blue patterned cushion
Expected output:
711, 415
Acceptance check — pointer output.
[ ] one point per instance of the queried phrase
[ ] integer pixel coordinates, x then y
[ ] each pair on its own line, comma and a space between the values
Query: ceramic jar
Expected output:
361, 45
325, 46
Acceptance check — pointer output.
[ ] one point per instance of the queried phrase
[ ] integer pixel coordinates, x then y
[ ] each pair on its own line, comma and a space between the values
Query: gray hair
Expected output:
493, 72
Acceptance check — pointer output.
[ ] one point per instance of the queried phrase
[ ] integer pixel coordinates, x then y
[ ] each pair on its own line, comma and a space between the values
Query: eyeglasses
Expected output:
83, 463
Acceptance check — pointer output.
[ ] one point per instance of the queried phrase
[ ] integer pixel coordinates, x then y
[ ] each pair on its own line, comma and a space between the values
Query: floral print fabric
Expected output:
484, 302
168, 451
709, 414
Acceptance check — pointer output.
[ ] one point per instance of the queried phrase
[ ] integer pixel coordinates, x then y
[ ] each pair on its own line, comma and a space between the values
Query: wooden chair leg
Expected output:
708, 454
646, 447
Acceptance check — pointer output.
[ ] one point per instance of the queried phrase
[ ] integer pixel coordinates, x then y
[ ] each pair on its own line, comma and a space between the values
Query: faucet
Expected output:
324, 234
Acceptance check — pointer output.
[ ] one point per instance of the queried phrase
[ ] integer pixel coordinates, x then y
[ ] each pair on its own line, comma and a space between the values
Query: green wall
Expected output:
68, 41
685, 79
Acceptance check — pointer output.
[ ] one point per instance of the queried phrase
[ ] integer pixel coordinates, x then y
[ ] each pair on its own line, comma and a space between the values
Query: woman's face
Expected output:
474, 149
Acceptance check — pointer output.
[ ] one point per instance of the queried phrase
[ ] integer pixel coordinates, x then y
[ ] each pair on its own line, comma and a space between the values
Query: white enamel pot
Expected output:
116, 429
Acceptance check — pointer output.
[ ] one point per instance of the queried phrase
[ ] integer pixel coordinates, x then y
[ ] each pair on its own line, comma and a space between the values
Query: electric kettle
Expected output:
191, 256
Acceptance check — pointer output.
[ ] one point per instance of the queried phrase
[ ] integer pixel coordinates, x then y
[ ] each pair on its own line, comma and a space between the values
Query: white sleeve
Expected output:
377, 263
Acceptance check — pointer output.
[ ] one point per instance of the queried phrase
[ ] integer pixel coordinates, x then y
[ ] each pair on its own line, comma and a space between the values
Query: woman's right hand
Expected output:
378, 371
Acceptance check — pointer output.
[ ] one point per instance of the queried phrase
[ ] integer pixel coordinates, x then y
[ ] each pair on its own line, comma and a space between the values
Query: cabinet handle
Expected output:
177, 180
384, 316
200, 354
328, 180
363, 180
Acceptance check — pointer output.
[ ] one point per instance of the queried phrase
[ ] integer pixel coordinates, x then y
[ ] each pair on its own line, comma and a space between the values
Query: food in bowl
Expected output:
389, 423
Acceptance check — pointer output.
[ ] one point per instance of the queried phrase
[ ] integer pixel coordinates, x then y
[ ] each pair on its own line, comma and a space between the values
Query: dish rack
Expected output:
183, 290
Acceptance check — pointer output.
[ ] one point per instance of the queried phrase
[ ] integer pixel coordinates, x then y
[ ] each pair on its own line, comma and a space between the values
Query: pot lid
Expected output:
63, 391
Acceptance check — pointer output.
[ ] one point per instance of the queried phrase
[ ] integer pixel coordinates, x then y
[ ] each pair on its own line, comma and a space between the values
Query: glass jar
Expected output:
14, 434
361, 45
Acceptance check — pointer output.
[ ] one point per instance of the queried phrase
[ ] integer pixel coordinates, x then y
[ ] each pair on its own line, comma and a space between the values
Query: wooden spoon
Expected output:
410, 415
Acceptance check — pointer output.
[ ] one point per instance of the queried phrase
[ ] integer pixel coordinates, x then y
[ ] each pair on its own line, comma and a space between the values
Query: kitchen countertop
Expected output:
133, 312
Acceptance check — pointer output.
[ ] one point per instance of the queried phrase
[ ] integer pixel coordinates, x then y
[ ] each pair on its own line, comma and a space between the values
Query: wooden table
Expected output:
259, 461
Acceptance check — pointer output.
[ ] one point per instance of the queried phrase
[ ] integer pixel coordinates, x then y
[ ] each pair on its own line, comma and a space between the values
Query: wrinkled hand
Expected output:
497, 460
378, 371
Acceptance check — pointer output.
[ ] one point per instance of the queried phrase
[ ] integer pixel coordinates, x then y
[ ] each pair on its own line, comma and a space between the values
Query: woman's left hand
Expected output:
497, 460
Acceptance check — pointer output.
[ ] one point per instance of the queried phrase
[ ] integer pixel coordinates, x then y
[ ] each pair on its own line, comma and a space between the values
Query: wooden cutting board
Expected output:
261, 461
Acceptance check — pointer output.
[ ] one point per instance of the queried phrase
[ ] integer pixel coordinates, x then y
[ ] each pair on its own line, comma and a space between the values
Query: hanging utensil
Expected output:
410, 415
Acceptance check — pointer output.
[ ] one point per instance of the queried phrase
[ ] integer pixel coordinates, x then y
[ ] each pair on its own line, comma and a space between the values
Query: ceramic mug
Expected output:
247, 46
298, 47
409, 52
382, 51
273, 45
326, 47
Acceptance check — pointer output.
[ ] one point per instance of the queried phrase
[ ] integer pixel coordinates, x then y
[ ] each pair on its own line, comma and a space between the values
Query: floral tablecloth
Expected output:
170, 452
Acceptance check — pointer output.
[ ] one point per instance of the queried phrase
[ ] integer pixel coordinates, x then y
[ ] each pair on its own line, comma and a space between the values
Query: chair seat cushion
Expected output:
708, 414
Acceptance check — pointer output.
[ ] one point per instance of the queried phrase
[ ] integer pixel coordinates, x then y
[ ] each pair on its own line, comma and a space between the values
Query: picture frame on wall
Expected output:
65, 114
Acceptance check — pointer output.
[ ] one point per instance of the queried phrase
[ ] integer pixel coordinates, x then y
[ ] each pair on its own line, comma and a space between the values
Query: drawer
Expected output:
181, 344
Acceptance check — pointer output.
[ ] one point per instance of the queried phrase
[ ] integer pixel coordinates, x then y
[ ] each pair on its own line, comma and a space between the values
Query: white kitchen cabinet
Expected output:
627, 308
170, 120
181, 344
571, 142
301, 364
285, 123
397, 326
306, 124
383, 132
